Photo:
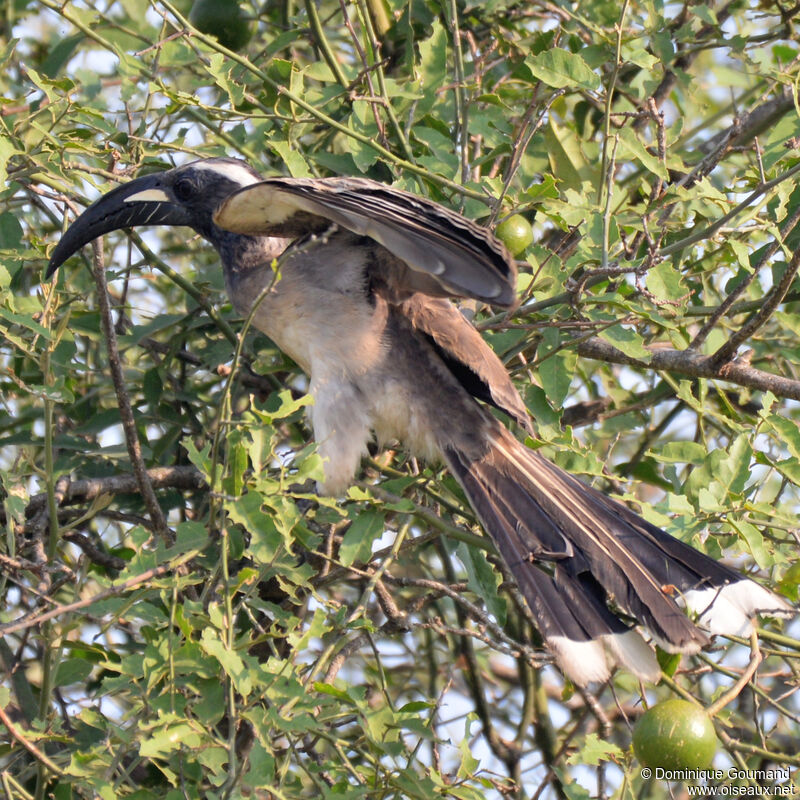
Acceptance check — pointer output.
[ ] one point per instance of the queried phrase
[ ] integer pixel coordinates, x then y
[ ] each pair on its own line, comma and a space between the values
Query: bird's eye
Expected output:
184, 189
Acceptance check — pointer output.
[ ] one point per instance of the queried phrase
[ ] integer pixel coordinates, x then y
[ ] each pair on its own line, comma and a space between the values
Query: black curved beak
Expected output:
142, 201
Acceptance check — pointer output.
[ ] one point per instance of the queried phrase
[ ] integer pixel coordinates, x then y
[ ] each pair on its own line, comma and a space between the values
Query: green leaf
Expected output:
561, 69
27, 321
568, 164
788, 432
200, 458
755, 542
723, 474
705, 13
218, 67
631, 144
556, 367
482, 580
189, 536
60, 55
680, 453
152, 386
634, 54
293, 159
626, 340
416, 706
230, 661
789, 584
789, 468
282, 405
237, 462
666, 283
357, 541
266, 541
10, 231
73, 670
594, 750
167, 739
332, 691
432, 68
742, 253
260, 767
669, 662
469, 764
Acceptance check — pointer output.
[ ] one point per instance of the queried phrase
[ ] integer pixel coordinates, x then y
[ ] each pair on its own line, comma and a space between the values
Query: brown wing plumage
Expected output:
466, 354
458, 255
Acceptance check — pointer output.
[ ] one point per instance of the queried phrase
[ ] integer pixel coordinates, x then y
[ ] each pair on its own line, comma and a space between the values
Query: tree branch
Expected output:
753, 123
694, 365
87, 489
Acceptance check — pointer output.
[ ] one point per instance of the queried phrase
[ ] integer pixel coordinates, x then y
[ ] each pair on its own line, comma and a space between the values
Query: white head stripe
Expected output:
237, 173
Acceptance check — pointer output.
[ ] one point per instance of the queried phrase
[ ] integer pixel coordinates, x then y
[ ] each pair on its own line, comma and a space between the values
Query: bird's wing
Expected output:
447, 253
466, 354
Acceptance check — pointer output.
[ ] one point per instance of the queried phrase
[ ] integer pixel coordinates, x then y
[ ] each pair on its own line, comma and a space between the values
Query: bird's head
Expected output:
187, 195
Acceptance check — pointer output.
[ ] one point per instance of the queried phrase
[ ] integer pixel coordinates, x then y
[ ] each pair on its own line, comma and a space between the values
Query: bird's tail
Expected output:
581, 558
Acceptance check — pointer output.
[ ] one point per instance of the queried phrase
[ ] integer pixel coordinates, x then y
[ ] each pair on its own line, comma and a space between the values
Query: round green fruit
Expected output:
675, 735
515, 233
223, 19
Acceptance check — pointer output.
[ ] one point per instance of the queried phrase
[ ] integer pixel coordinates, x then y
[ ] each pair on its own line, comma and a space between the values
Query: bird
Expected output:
362, 302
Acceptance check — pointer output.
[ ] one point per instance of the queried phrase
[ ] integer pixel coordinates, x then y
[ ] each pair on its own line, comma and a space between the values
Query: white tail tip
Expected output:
593, 661
729, 610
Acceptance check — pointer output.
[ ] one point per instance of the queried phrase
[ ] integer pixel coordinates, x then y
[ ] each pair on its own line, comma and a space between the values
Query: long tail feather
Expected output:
602, 556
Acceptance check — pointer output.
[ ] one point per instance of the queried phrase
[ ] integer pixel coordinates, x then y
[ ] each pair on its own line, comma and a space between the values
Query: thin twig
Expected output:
710, 230
123, 400
758, 319
728, 302
67, 608
29, 746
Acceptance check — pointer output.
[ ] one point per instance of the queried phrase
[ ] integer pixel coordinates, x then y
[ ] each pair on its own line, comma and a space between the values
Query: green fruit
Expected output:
515, 233
223, 19
675, 735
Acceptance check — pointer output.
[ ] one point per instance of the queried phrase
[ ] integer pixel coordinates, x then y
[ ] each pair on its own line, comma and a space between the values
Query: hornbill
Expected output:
362, 306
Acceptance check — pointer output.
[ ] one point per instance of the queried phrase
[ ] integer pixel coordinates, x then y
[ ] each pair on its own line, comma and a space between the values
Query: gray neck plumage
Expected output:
246, 264
242, 254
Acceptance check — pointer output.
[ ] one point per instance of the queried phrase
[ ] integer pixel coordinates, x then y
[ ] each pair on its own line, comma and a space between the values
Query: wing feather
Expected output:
463, 258
466, 354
